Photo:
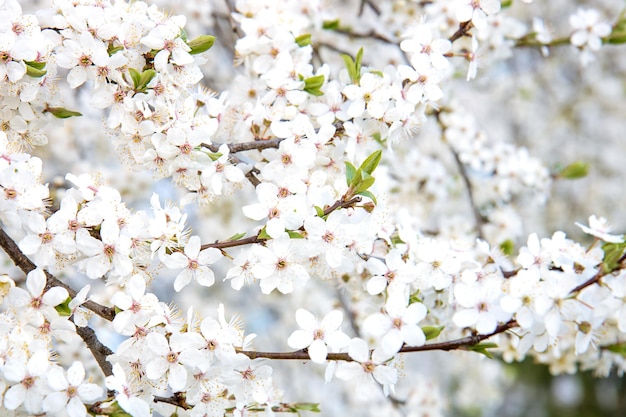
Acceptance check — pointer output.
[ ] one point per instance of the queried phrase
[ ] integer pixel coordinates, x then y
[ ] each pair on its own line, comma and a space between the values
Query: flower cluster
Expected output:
359, 185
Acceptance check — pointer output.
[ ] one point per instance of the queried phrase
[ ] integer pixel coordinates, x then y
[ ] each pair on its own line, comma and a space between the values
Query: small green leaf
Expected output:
201, 44
358, 177
236, 236
135, 77
368, 195
304, 40
357, 62
506, 3
112, 50
613, 252
331, 24
263, 234
315, 408
146, 77
350, 173
183, 35
294, 235
371, 162
482, 348
35, 69
215, 156
312, 85
319, 211
351, 67
619, 348
364, 184
432, 332
64, 308
507, 247
61, 112
415, 297
574, 170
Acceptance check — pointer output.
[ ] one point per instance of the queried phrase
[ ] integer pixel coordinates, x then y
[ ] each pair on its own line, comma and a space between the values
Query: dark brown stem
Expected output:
98, 350
26, 265
461, 31
342, 204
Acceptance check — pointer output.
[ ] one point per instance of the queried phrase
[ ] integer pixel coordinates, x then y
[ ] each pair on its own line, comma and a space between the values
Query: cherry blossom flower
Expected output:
600, 228
318, 337
195, 263
70, 391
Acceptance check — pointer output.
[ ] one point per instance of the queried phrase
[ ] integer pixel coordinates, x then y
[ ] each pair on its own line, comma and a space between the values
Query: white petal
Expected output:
318, 351
177, 377
35, 282
332, 321
306, 319
300, 339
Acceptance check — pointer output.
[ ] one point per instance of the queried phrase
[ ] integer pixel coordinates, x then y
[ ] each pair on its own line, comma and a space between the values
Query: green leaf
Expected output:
201, 44
64, 308
613, 252
331, 24
312, 85
135, 77
146, 77
364, 184
507, 247
236, 236
619, 348
315, 408
350, 173
506, 3
358, 177
432, 332
61, 112
371, 162
35, 69
351, 67
359, 59
415, 298
263, 234
368, 195
215, 156
482, 348
294, 235
304, 40
112, 50
575, 170
319, 211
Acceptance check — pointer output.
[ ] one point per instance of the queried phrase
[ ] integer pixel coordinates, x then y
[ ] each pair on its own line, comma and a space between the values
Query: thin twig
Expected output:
480, 221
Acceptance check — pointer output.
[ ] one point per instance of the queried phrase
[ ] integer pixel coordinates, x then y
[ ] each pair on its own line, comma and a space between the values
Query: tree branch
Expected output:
97, 348
246, 146
26, 265
461, 31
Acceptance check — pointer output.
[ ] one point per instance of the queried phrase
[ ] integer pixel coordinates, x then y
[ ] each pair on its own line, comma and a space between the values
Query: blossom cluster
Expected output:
344, 175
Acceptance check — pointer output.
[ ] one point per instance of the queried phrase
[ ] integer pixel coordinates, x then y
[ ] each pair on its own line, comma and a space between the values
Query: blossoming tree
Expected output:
308, 165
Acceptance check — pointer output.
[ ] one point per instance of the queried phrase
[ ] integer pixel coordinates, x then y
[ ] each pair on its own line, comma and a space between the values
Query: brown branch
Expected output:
97, 348
26, 265
232, 243
342, 204
246, 146
461, 31
457, 344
